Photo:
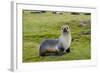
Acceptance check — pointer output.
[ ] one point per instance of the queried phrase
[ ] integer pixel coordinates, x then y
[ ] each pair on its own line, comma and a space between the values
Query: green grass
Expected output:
37, 27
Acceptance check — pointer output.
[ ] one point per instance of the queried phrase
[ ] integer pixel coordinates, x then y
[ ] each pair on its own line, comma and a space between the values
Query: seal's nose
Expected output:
64, 30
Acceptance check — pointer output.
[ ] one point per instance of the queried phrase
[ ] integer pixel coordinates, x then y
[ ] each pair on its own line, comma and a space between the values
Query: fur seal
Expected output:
57, 46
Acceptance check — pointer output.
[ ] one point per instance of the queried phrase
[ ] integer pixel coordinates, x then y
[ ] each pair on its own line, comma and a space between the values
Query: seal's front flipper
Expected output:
68, 50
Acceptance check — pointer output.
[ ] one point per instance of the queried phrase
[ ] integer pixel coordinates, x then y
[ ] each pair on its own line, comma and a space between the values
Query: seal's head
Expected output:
65, 29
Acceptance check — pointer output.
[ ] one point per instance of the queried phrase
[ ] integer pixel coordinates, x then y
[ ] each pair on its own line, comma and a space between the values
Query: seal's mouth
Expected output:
65, 30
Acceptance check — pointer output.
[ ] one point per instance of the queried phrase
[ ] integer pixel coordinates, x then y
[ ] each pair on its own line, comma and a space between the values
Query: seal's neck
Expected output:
65, 34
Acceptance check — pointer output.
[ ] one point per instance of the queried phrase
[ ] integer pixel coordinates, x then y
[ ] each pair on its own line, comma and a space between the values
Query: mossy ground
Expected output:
40, 26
